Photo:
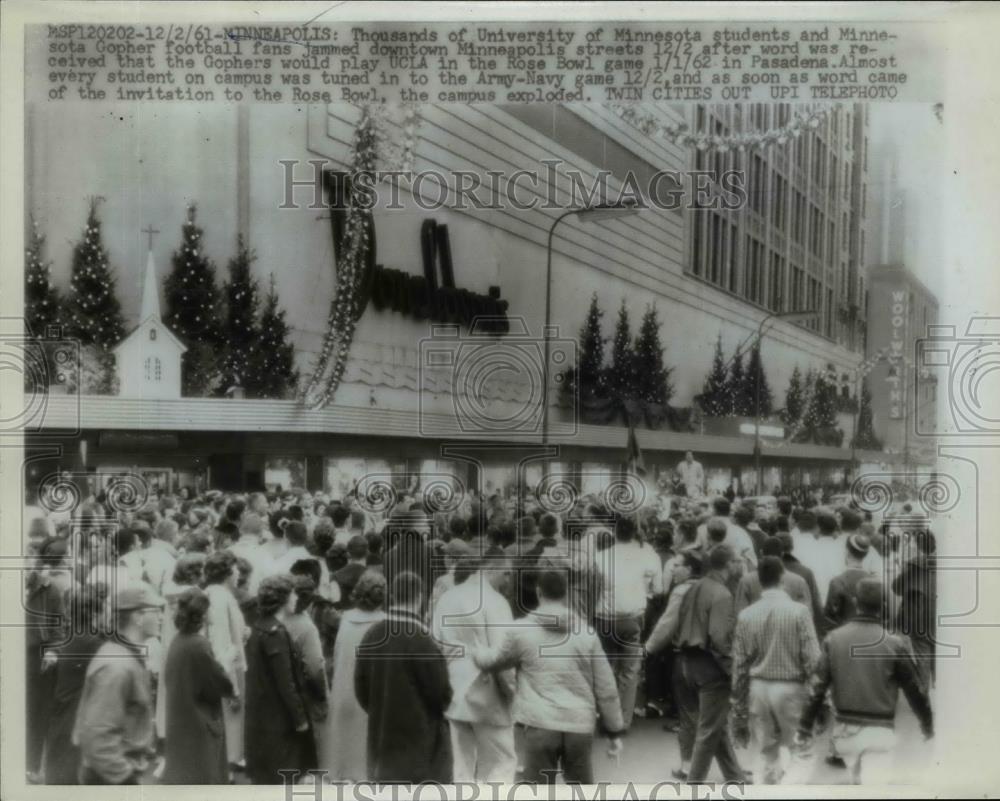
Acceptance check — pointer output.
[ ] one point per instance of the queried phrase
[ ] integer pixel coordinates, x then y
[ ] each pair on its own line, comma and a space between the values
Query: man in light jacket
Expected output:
564, 683
472, 615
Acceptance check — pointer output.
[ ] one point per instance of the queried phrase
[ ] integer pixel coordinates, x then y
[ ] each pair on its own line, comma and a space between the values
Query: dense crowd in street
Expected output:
220, 637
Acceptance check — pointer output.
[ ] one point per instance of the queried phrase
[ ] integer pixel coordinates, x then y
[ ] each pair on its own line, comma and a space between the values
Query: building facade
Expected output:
799, 243
904, 394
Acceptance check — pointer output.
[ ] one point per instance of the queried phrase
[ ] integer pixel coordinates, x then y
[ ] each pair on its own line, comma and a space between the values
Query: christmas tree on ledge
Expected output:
241, 334
652, 377
93, 313
865, 436
194, 310
41, 299
714, 399
272, 372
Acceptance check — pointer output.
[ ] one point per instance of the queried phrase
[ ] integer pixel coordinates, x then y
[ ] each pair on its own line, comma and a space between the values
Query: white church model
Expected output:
149, 359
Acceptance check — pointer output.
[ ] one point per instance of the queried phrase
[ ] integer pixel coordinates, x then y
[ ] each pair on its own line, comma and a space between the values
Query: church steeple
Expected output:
150, 293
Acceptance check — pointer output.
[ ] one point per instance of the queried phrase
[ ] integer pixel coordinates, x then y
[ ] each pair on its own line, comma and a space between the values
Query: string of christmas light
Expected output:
373, 142
803, 119
396, 156
342, 320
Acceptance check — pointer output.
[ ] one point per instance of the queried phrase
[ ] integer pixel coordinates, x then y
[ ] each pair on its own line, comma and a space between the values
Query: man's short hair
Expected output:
716, 528
786, 540
548, 526
339, 516
552, 585
625, 529
407, 588
124, 540
827, 523
806, 520
772, 547
784, 506
770, 570
721, 506
234, 511
458, 528
296, 534
870, 596
357, 547
849, 520
720, 557
743, 515
307, 567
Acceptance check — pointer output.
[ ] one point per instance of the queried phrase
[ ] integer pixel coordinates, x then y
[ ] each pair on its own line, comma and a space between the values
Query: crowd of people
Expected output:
229, 637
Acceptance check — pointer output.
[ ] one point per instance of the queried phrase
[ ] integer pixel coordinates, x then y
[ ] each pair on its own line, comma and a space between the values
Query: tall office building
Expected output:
800, 241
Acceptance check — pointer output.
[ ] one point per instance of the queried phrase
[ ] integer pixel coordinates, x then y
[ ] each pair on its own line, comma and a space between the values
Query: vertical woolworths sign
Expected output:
896, 376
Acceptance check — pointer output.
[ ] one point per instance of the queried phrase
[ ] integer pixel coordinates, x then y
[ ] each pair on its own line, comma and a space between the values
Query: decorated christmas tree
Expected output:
272, 364
587, 378
865, 435
41, 299
752, 401
621, 378
240, 327
819, 422
194, 310
794, 399
93, 313
734, 388
652, 378
714, 398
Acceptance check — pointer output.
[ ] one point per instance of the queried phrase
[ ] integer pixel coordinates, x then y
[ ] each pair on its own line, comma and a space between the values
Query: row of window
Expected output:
747, 267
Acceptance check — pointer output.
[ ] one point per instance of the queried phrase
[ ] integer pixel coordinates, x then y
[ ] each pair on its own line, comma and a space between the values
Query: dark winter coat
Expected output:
62, 758
275, 705
196, 734
401, 681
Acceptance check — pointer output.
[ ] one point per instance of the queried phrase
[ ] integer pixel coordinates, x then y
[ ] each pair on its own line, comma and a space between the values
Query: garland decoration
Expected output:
358, 239
356, 259
803, 119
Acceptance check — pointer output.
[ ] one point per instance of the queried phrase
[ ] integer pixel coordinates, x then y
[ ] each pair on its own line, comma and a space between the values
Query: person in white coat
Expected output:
227, 634
473, 615
344, 742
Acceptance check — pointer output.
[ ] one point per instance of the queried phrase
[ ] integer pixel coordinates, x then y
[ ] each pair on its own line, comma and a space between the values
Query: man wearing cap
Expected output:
864, 666
114, 721
841, 597
850, 524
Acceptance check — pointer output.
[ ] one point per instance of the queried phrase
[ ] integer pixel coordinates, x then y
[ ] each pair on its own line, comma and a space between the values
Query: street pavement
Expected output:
652, 753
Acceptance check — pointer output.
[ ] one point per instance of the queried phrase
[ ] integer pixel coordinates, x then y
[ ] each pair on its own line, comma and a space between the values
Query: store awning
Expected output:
64, 415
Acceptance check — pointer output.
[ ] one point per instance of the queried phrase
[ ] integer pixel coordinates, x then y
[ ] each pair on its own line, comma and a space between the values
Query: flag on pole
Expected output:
634, 455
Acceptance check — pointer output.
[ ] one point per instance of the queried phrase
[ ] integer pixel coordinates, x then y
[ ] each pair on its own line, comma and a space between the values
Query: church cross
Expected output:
149, 230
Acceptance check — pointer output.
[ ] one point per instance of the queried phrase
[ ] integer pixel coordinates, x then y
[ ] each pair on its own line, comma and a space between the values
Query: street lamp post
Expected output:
595, 213
790, 315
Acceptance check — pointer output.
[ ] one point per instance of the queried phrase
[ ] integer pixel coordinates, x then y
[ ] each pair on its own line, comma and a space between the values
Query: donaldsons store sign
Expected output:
431, 296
